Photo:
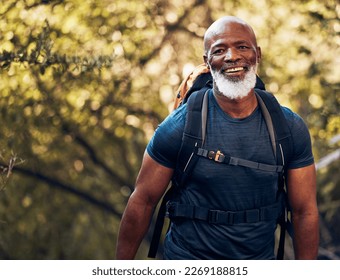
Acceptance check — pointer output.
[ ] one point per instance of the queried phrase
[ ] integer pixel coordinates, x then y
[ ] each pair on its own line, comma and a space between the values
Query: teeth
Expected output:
231, 70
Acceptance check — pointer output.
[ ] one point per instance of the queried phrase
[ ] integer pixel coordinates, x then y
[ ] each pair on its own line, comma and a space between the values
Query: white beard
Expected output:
235, 89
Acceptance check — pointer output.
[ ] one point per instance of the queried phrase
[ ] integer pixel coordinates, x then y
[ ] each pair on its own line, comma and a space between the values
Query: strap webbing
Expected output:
193, 135
284, 152
279, 123
159, 225
204, 116
267, 213
269, 123
219, 157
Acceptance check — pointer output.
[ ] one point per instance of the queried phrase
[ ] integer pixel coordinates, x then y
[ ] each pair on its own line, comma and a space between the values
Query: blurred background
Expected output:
83, 85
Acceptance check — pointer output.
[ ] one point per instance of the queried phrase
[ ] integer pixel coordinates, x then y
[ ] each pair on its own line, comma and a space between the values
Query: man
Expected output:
235, 126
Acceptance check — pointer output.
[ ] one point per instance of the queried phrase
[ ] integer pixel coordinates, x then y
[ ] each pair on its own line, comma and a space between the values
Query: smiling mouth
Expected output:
234, 70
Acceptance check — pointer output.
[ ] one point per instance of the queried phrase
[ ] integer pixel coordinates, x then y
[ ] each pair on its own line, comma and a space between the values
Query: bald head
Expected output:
224, 23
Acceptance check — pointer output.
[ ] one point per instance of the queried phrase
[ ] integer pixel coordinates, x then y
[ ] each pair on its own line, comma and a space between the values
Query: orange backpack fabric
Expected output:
188, 82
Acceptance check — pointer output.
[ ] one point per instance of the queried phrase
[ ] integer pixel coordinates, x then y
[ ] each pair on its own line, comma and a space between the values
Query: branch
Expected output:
170, 29
93, 155
6, 169
43, 56
52, 182
11, 6
328, 159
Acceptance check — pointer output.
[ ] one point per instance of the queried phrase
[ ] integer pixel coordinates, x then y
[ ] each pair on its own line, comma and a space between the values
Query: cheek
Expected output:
253, 58
215, 62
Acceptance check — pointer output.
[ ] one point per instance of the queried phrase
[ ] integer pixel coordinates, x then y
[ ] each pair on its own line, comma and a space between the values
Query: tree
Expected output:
84, 84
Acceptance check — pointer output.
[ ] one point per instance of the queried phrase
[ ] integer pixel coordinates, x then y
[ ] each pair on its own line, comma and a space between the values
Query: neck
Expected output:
237, 108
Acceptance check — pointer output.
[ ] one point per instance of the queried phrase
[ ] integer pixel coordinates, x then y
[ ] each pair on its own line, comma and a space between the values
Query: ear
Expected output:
205, 58
259, 55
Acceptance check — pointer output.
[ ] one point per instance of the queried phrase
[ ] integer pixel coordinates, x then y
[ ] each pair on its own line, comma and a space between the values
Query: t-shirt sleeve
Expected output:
302, 146
166, 141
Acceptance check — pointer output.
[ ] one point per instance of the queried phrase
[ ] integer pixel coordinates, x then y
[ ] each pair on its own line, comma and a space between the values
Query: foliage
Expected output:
84, 84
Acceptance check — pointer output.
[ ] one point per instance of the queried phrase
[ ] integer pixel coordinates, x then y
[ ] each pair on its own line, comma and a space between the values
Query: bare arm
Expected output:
151, 183
302, 198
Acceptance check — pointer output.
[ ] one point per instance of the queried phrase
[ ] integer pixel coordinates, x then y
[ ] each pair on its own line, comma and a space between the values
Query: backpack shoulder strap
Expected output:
193, 135
277, 125
282, 146
193, 138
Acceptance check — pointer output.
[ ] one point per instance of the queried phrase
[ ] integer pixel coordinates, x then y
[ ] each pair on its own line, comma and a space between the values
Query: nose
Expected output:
230, 55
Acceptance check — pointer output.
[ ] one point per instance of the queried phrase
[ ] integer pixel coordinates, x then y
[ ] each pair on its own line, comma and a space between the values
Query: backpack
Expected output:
193, 91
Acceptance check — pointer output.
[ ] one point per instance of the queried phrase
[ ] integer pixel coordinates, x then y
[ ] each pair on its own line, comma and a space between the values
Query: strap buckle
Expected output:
216, 156
213, 216
220, 217
253, 216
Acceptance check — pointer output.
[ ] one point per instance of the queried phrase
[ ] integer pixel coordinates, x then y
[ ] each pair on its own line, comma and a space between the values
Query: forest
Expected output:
84, 84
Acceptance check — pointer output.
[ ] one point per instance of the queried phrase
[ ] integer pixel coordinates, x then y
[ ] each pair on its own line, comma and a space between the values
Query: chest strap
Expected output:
267, 213
218, 156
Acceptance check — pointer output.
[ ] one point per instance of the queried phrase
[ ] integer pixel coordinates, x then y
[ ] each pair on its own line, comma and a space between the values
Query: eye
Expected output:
242, 47
218, 51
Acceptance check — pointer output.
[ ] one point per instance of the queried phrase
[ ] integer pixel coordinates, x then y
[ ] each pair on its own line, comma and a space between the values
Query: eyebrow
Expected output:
239, 42
242, 42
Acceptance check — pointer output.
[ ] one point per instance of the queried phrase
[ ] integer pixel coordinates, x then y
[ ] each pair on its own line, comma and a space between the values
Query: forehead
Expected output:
229, 32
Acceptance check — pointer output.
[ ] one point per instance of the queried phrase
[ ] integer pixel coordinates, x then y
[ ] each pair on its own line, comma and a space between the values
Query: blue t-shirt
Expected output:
225, 187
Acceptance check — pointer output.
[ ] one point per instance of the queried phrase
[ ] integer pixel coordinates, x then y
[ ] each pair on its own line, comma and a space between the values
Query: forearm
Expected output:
305, 214
306, 235
152, 181
134, 225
